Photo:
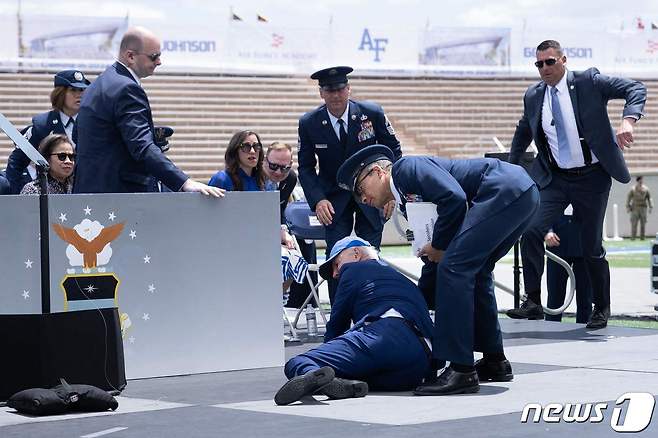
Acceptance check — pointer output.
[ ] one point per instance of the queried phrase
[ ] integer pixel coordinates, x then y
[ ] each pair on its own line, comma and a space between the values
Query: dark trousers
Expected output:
466, 317
556, 282
588, 194
386, 353
342, 226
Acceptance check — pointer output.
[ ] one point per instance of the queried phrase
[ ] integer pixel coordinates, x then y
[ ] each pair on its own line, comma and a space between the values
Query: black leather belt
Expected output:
420, 337
584, 170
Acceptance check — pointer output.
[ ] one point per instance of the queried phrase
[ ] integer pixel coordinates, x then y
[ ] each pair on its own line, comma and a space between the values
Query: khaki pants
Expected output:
638, 214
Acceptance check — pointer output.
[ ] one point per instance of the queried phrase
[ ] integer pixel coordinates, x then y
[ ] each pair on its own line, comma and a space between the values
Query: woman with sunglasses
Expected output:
243, 164
57, 149
65, 100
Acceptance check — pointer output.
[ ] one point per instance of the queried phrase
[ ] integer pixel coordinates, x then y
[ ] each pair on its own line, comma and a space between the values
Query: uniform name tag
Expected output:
321, 146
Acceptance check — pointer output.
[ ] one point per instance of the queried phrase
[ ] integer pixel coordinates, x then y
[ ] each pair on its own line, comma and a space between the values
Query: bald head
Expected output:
140, 50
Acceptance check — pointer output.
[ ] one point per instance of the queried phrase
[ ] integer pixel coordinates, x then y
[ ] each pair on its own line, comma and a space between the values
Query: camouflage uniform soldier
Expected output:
637, 202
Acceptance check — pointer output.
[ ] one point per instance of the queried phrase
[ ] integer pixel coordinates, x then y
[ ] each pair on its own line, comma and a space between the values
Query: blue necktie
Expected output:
562, 140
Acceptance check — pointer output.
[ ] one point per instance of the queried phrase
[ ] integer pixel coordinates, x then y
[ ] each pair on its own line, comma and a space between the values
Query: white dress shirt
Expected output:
68, 129
334, 121
569, 118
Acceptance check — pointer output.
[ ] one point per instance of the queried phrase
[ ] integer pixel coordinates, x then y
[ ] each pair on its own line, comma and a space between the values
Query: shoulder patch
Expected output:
389, 127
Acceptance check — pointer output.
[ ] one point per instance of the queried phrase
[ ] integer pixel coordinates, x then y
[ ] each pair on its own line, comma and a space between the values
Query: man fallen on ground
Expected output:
387, 349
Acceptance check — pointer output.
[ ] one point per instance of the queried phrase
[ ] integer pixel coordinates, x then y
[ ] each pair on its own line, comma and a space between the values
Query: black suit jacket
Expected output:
590, 92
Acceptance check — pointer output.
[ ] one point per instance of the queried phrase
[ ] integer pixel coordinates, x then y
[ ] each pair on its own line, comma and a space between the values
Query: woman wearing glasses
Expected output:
57, 149
65, 100
243, 164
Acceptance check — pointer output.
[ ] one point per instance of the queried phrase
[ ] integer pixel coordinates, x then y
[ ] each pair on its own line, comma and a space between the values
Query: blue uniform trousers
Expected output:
466, 317
386, 354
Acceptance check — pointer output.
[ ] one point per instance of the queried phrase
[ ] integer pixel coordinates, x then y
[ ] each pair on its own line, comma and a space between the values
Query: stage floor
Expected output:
553, 363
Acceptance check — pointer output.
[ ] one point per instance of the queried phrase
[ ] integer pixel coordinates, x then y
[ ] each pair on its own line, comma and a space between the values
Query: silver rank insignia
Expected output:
389, 127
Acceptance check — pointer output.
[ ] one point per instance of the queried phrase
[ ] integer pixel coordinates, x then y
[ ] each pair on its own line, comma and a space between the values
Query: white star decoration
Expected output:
151, 288
146, 317
112, 216
28, 263
26, 294
133, 234
90, 289
62, 217
87, 211
132, 339
147, 259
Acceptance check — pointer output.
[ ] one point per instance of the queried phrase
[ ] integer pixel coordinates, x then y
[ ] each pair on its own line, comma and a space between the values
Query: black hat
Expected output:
160, 134
349, 171
71, 78
332, 78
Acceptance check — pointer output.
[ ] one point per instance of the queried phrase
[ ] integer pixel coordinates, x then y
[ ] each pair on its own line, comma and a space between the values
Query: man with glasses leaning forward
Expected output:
328, 136
116, 147
566, 115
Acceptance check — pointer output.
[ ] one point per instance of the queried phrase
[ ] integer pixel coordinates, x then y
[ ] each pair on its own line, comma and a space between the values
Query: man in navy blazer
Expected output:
387, 349
566, 116
327, 136
116, 148
483, 206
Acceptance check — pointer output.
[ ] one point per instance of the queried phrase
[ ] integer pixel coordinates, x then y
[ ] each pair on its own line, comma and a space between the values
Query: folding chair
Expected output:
303, 224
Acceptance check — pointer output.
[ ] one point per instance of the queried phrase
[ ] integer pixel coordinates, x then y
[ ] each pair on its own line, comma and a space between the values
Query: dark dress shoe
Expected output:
490, 371
339, 389
528, 310
599, 318
451, 382
300, 386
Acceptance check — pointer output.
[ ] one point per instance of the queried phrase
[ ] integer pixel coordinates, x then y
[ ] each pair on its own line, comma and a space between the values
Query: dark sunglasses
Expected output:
246, 147
62, 156
152, 56
280, 167
549, 62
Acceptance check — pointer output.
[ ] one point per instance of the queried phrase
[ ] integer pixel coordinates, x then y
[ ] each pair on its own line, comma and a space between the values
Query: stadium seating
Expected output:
448, 117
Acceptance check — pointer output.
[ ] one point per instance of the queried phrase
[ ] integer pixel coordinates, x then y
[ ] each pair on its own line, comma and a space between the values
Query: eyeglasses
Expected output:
280, 167
247, 147
62, 156
152, 56
549, 62
357, 187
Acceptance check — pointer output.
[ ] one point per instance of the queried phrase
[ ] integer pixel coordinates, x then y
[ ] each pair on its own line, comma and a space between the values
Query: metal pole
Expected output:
44, 241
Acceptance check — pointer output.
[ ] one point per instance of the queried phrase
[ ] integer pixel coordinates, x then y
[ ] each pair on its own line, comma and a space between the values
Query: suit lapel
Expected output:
538, 104
327, 128
354, 124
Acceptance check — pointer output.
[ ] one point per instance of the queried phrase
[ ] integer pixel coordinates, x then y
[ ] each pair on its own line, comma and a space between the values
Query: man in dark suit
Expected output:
483, 207
65, 100
116, 146
566, 116
387, 349
327, 136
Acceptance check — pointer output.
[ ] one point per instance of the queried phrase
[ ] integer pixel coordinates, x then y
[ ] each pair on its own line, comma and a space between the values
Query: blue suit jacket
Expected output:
589, 91
367, 289
42, 125
116, 149
481, 187
318, 143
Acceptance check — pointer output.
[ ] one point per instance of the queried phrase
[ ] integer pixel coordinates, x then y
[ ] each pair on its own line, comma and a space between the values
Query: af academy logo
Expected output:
373, 44
90, 282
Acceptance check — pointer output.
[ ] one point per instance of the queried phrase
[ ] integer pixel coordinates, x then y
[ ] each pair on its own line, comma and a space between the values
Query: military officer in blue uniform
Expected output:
387, 349
483, 207
327, 136
65, 100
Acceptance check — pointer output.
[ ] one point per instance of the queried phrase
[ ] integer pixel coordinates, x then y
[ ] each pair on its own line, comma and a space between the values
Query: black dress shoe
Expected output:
339, 389
451, 382
528, 310
490, 371
599, 318
307, 384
